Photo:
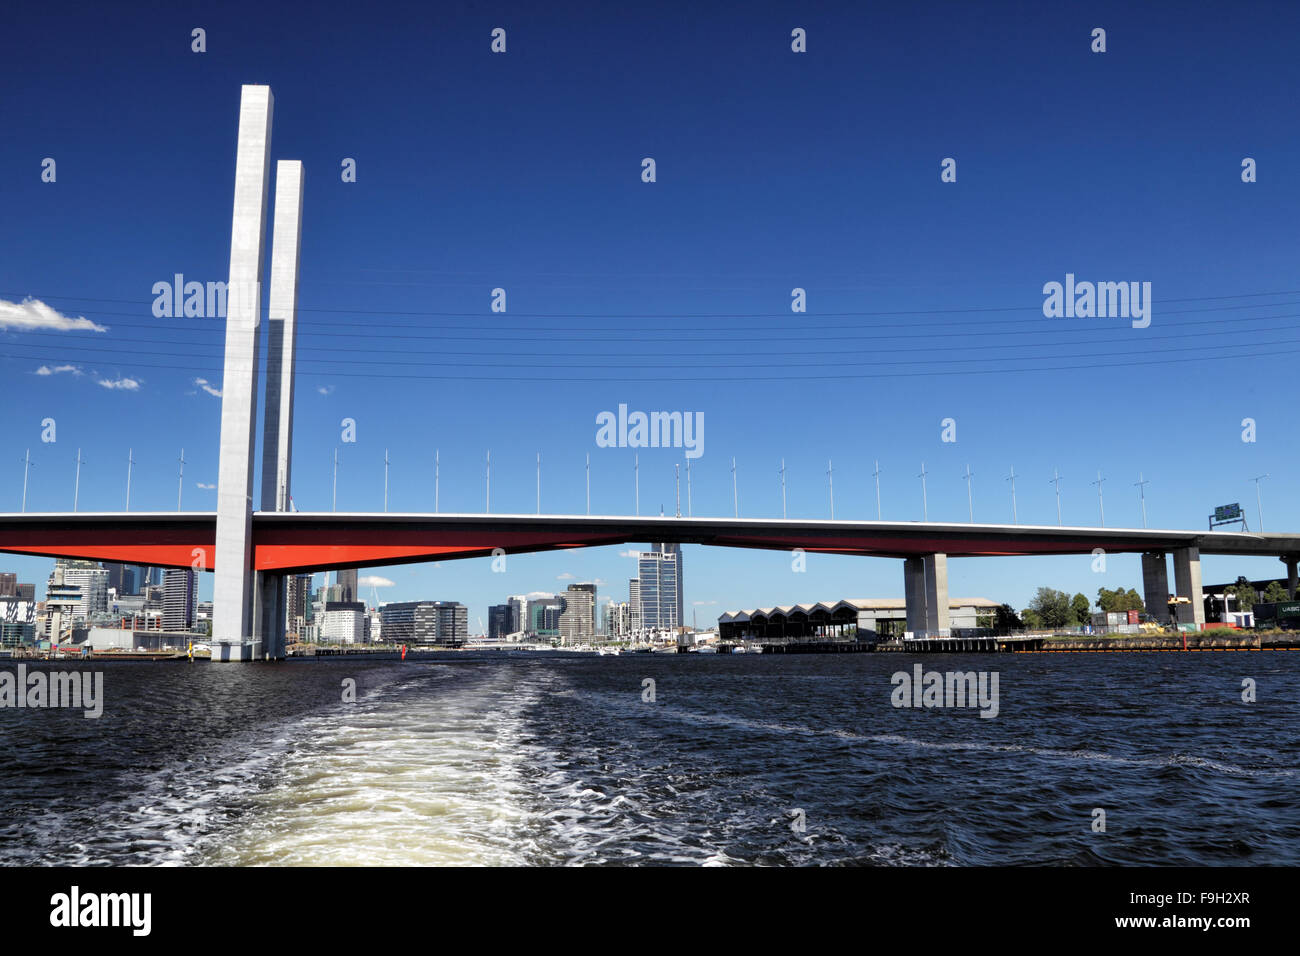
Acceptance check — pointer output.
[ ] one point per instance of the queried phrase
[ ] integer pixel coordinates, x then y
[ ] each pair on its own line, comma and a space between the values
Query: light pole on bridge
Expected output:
1259, 505
1142, 491
1012, 478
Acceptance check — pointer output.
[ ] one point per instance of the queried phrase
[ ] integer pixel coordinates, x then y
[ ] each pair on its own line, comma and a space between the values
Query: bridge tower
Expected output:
248, 607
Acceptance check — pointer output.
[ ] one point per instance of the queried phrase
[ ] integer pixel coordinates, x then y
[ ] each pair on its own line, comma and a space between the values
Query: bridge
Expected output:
284, 543
250, 552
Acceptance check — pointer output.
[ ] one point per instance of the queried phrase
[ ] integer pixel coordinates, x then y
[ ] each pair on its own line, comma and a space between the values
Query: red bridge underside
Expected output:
329, 545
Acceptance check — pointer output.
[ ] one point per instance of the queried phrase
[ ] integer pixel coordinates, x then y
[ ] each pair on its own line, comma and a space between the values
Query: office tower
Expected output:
347, 580
658, 586
443, 623
62, 601
93, 582
518, 613
180, 599
679, 608
544, 615
498, 622
8, 585
345, 622
296, 615
634, 605
578, 622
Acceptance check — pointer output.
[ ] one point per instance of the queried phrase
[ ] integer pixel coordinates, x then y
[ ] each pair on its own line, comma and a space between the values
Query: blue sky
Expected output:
775, 170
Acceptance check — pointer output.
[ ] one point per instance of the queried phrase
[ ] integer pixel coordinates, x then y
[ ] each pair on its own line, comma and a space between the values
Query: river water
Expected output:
546, 758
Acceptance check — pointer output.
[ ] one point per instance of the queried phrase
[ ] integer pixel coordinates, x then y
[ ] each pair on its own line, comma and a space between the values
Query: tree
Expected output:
1245, 594
1005, 619
1119, 600
1031, 618
1052, 607
1081, 609
1275, 593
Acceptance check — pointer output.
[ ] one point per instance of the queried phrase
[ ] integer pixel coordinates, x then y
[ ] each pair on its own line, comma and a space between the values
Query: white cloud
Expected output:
324, 389
208, 387
703, 603
374, 581
35, 314
566, 576
205, 487
629, 554
46, 370
125, 384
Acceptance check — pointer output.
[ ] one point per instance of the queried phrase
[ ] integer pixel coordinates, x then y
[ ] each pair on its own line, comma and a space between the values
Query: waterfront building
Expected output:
658, 589
442, 623
869, 620
578, 621
345, 622
17, 621
498, 622
180, 599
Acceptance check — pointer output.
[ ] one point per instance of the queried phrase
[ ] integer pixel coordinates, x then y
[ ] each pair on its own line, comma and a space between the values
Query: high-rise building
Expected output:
180, 599
674, 549
93, 582
658, 589
634, 605
345, 622
498, 622
62, 601
297, 588
445, 623
618, 620
122, 578
544, 615
578, 622
348, 581
518, 613
8, 585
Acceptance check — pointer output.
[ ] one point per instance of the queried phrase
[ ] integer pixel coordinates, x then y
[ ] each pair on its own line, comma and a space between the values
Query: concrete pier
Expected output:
937, 612
914, 593
1187, 578
1155, 585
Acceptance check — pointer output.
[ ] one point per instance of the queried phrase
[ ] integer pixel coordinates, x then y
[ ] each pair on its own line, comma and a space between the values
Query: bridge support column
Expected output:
937, 610
1187, 578
277, 432
1155, 585
914, 593
234, 593
1291, 579
271, 614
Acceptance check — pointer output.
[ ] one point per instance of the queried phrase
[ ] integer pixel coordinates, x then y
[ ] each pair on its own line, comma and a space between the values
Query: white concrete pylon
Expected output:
233, 586
282, 343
